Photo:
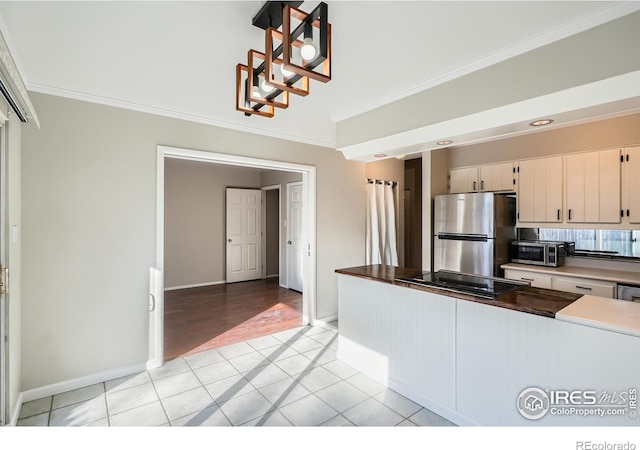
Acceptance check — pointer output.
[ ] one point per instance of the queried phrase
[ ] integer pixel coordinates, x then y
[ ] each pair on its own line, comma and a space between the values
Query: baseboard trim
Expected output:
326, 320
273, 276
13, 420
80, 382
187, 286
437, 408
373, 371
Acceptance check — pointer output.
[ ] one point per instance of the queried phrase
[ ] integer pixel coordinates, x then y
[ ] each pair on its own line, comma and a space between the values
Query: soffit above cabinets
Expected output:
575, 80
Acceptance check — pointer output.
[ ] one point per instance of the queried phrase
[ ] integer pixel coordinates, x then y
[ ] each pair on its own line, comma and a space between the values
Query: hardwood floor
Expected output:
198, 319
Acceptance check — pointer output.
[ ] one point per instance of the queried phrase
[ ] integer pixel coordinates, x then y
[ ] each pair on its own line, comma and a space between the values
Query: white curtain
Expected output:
381, 243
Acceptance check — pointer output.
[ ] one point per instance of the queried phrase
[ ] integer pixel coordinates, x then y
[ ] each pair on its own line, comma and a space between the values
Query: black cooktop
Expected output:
478, 285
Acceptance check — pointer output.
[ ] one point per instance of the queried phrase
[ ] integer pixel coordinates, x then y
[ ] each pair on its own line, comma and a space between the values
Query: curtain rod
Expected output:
390, 183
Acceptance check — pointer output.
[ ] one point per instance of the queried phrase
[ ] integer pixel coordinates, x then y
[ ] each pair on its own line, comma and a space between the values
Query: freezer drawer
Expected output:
466, 256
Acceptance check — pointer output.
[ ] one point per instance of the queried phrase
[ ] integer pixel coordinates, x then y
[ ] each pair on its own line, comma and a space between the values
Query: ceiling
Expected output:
178, 58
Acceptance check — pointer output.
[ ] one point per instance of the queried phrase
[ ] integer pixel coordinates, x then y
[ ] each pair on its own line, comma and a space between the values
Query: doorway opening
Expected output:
274, 281
271, 231
413, 213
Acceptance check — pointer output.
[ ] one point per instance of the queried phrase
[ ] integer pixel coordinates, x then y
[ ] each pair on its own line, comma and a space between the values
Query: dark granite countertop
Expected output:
542, 302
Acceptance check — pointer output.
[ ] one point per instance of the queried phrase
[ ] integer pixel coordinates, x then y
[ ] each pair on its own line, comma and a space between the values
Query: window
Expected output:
622, 242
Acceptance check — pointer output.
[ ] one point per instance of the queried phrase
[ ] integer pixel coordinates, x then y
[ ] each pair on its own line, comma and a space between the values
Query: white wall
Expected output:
89, 228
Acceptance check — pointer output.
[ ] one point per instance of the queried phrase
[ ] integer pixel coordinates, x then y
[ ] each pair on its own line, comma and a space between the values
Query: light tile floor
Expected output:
288, 378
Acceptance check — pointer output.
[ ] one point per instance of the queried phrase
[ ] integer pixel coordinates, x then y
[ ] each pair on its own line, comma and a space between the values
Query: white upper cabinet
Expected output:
484, 178
593, 182
497, 177
540, 190
463, 179
595, 187
631, 184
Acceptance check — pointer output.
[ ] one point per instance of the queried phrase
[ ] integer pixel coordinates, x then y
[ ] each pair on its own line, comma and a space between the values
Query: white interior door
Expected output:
244, 234
295, 242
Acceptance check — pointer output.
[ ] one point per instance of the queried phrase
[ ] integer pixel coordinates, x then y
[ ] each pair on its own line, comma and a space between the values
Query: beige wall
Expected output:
280, 178
617, 132
194, 217
391, 169
89, 229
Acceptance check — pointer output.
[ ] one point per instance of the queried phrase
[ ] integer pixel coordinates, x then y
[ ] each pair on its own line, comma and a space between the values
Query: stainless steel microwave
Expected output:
539, 253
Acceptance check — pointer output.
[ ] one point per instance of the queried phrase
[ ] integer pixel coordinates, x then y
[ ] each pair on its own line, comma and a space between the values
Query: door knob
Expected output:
289, 242
228, 240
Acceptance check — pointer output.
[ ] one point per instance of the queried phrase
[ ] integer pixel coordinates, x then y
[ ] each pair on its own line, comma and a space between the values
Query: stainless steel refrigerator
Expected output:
472, 232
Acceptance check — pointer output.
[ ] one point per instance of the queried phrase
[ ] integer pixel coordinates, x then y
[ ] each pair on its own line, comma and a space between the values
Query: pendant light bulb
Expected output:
285, 73
308, 51
255, 92
266, 87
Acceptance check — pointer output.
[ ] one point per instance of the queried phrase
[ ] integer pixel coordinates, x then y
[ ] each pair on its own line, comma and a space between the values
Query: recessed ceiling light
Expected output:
444, 142
380, 155
539, 123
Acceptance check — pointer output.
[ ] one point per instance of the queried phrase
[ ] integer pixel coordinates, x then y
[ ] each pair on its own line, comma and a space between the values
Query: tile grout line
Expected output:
106, 404
160, 399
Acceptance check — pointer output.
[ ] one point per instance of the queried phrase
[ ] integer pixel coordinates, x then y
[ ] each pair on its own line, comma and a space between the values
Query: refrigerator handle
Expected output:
463, 237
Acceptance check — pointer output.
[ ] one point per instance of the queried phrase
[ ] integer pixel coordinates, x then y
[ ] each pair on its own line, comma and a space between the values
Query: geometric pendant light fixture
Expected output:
297, 48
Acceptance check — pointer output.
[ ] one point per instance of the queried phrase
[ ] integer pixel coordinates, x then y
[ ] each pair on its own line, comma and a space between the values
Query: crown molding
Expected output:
109, 101
575, 26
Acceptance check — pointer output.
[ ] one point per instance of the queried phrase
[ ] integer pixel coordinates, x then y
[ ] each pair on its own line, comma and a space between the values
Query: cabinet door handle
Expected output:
583, 287
474, 185
569, 214
482, 185
526, 279
622, 213
627, 213
558, 214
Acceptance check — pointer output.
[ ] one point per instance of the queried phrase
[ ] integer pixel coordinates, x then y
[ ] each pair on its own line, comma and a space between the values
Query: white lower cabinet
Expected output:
401, 337
576, 285
535, 279
470, 362
501, 353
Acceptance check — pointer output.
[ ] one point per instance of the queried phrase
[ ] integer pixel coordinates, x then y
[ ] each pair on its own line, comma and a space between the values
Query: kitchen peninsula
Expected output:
470, 358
